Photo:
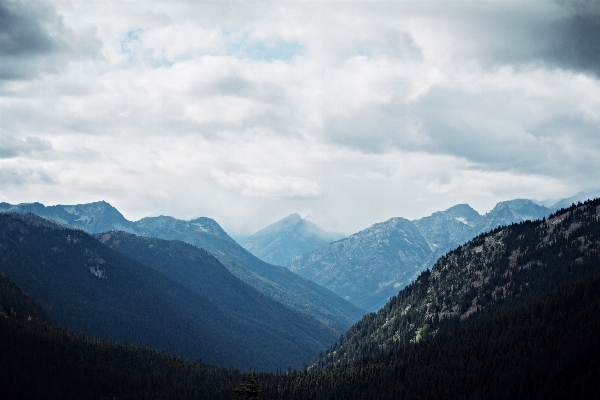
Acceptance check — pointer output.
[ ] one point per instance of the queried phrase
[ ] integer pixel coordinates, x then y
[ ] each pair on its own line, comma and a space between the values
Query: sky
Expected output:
346, 112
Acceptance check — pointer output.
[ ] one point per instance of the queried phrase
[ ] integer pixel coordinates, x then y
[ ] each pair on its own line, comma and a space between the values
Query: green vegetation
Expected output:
248, 389
422, 333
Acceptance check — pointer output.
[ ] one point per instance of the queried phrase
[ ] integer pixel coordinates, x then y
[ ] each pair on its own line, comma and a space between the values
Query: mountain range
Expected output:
364, 269
273, 281
370, 266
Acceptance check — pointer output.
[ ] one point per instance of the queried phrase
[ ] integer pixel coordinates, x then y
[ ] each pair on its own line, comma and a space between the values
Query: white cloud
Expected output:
266, 184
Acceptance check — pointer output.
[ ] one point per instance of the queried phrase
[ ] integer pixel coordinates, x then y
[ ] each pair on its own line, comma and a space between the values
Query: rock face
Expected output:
370, 266
280, 242
186, 231
445, 230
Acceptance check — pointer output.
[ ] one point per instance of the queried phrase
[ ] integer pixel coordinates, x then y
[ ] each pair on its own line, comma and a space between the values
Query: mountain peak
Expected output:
287, 238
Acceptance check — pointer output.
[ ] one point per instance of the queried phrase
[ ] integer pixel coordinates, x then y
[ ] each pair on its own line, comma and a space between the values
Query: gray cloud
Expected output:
33, 39
11, 147
565, 36
579, 45
21, 33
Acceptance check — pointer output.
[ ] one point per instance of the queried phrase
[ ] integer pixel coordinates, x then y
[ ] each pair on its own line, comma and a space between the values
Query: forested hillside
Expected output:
40, 360
86, 286
509, 266
199, 271
548, 349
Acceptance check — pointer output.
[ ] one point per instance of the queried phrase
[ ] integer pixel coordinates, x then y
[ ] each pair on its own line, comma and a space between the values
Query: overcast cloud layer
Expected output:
350, 112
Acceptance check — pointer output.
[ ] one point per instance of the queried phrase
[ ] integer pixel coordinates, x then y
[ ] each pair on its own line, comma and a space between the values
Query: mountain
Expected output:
509, 212
444, 230
199, 271
506, 267
370, 266
548, 349
280, 242
86, 286
578, 198
274, 281
92, 217
200, 230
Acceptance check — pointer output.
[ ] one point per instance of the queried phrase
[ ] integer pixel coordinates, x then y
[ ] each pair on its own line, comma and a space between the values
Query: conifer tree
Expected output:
248, 389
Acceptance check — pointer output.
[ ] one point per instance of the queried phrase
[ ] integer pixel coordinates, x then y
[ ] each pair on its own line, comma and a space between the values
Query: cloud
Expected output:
558, 34
15, 174
578, 47
34, 39
260, 185
11, 147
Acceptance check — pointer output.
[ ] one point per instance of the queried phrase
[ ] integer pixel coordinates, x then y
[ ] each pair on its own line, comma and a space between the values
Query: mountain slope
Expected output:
68, 365
287, 238
86, 286
549, 349
306, 296
370, 266
507, 267
200, 272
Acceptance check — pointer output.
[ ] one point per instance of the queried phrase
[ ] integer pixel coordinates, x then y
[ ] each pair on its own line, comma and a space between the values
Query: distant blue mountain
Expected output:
369, 267
579, 197
280, 242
